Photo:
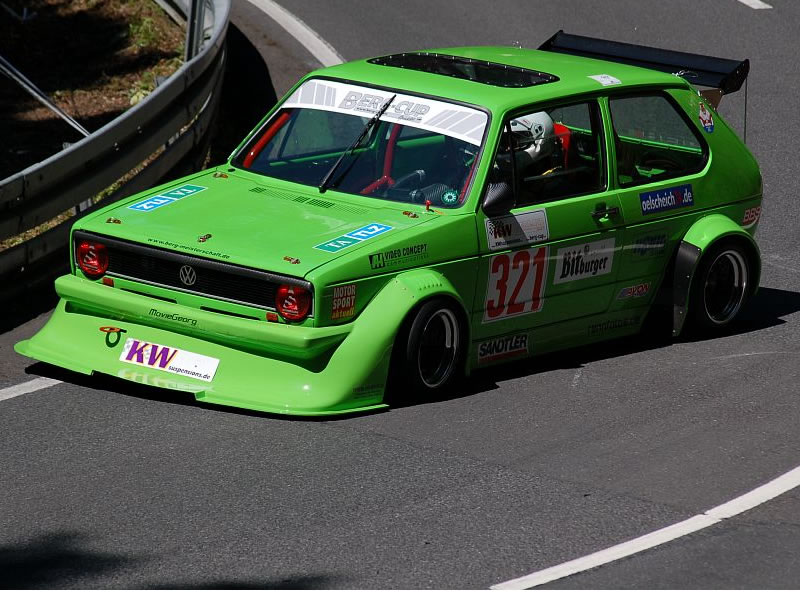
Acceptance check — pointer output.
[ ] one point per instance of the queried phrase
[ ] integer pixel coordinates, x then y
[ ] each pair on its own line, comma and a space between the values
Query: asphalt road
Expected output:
110, 485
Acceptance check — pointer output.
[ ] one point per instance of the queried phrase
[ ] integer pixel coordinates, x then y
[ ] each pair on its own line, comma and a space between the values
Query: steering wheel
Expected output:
660, 160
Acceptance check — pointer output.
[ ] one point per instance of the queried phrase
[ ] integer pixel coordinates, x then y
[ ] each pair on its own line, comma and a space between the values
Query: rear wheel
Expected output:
721, 286
433, 349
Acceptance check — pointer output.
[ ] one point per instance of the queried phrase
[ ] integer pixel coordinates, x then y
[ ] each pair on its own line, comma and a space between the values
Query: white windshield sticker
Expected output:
461, 122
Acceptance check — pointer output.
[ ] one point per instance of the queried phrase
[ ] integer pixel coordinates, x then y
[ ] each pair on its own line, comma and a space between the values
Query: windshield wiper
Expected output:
324, 184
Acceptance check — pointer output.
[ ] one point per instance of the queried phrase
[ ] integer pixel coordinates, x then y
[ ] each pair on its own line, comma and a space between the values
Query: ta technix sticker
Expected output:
585, 260
517, 229
166, 358
354, 237
164, 198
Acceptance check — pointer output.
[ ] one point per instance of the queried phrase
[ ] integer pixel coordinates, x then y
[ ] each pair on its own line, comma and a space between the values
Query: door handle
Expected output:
603, 211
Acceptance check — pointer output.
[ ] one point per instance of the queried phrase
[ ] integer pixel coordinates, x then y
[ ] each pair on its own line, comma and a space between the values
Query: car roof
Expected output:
574, 76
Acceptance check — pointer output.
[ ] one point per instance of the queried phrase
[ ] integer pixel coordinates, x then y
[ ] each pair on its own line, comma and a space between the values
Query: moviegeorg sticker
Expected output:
166, 358
668, 199
585, 260
165, 198
517, 229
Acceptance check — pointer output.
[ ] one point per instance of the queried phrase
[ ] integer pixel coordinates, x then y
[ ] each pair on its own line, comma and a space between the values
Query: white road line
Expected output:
768, 491
755, 4
313, 42
33, 385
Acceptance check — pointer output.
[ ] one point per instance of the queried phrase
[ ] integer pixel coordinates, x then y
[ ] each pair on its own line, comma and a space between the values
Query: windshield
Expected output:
421, 150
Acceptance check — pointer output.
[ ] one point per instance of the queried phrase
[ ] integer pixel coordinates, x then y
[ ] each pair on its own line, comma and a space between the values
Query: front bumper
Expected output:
261, 366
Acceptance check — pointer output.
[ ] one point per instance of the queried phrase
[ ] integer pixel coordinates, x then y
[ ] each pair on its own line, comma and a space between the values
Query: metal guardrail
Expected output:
177, 116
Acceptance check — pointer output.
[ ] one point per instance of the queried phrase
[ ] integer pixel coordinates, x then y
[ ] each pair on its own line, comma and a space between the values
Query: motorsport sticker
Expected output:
706, 118
504, 347
751, 216
520, 228
652, 244
668, 199
365, 391
165, 198
605, 80
354, 237
583, 261
172, 360
634, 291
344, 302
398, 256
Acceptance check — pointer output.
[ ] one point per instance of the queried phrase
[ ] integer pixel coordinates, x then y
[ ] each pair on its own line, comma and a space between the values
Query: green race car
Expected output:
405, 219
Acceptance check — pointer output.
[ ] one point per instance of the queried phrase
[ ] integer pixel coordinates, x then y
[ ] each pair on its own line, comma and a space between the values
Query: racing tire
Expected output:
721, 287
431, 350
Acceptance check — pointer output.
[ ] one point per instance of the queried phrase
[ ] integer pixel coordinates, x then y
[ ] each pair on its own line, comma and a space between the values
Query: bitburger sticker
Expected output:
587, 260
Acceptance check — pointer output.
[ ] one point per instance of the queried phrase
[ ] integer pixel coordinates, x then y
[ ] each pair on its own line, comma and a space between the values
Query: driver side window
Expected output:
557, 153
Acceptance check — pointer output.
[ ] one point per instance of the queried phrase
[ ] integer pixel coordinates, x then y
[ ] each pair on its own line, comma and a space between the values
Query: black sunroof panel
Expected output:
481, 71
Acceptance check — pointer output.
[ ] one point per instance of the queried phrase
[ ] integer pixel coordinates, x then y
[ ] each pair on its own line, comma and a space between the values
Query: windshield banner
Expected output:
454, 120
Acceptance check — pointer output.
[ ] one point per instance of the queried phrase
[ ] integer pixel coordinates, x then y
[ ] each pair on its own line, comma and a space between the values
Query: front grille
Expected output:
213, 279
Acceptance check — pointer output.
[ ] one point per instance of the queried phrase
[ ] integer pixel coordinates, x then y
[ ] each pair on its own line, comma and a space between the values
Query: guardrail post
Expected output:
194, 28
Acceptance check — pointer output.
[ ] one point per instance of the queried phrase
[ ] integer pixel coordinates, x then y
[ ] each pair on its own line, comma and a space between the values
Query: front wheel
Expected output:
434, 348
721, 286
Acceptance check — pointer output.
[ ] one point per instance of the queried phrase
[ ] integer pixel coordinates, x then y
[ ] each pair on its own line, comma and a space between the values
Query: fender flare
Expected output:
698, 240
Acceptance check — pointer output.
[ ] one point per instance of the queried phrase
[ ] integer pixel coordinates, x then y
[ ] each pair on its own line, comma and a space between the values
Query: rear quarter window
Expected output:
653, 140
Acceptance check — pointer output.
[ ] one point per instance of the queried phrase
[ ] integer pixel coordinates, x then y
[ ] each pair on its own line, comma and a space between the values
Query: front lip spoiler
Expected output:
285, 341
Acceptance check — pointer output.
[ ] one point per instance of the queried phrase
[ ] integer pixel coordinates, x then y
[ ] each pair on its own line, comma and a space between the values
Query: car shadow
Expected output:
762, 312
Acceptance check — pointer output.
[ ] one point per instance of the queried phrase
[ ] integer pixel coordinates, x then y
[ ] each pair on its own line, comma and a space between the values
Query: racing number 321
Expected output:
515, 283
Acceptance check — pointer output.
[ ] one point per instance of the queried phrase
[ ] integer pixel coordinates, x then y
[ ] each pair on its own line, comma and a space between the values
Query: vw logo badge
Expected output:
187, 275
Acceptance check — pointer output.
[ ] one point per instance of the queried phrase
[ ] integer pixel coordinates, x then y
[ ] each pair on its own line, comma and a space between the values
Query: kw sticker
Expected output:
514, 230
172, 360
165, 198
354, 237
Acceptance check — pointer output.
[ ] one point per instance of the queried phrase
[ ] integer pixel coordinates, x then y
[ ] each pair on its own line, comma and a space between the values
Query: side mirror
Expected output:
499, 199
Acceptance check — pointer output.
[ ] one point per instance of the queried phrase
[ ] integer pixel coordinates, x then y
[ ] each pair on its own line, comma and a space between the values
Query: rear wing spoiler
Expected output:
724, 74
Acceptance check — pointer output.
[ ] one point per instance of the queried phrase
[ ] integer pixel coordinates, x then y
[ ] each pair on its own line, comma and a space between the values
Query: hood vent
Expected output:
276, 193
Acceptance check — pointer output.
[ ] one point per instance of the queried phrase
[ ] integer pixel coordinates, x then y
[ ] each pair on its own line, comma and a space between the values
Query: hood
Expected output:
228, 217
